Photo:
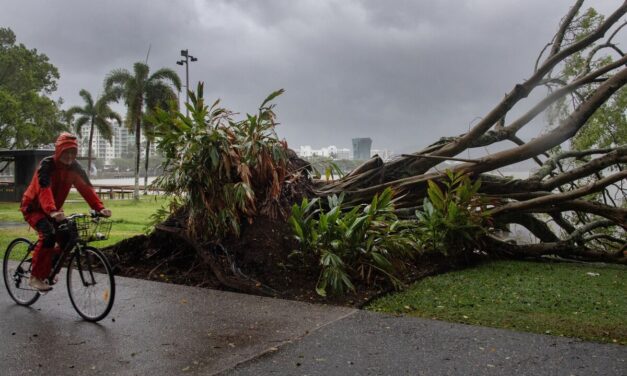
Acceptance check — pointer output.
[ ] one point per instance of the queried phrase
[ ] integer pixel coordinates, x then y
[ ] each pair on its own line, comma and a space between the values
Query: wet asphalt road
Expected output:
153, 329
162, 329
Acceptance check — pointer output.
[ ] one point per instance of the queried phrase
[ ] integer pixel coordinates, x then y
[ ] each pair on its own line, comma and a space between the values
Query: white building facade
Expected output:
332, 151
122, 144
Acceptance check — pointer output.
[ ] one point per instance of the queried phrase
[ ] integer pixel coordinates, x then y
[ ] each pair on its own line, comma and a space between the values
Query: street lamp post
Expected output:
188, 57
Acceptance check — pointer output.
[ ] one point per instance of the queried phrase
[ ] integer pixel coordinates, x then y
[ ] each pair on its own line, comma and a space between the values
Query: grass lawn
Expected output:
129, 218
564, 299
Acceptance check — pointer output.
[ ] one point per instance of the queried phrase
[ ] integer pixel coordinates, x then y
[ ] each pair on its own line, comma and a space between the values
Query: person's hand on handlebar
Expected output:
105, 212
58, 216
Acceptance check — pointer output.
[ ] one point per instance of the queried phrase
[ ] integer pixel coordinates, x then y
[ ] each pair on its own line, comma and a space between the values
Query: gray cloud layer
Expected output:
401, 72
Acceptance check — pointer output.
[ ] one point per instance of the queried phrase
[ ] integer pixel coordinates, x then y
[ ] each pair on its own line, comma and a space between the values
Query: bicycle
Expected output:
90, 281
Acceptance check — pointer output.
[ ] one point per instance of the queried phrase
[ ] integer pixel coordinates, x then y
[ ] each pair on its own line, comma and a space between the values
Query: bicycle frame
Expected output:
90, 280
74, 245
19, 270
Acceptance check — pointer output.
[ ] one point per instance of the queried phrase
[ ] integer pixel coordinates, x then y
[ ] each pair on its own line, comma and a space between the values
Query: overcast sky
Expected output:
401, 72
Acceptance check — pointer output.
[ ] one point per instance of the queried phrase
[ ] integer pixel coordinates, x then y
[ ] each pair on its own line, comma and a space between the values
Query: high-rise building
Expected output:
122, 144
361, 148
122, 140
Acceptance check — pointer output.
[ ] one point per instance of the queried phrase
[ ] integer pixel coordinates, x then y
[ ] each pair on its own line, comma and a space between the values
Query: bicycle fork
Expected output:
87, 276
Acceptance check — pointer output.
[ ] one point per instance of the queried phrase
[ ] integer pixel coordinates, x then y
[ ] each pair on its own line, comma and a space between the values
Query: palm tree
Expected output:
97, 115
136, 89
162, 97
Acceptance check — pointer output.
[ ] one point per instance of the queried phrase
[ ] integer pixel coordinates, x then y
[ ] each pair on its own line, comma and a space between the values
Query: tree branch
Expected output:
558, 198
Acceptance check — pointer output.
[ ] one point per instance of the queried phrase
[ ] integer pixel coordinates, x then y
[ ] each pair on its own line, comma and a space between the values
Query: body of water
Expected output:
121, 181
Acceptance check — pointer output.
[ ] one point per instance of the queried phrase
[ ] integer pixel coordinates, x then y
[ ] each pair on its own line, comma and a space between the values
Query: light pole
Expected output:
185, 61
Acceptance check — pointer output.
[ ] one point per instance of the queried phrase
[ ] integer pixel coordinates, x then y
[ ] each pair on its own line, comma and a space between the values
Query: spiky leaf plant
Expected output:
223, 171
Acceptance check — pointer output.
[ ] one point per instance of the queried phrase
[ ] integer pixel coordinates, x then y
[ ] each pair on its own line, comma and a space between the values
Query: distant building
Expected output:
344, 153
333, 152
384, 154
122, 140
361, 148
121, 146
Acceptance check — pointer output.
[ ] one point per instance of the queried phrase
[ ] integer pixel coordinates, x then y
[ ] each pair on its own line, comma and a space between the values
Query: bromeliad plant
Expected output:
223, 172
453, 217
367, 242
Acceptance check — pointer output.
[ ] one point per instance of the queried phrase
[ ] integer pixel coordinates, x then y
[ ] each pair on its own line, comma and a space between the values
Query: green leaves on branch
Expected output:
223, 171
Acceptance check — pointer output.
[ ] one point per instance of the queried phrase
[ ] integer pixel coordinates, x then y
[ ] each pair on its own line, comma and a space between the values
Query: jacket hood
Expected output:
64, 141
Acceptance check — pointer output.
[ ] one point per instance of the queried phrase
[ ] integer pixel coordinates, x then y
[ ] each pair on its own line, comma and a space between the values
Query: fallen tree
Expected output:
563, 188
230, 178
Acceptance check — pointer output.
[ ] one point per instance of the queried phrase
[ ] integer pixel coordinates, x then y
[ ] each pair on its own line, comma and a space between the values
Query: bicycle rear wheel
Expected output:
16, 269
90, 284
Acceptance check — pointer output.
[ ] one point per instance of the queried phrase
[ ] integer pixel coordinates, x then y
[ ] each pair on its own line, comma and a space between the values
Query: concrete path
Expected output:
161, 329
367, 343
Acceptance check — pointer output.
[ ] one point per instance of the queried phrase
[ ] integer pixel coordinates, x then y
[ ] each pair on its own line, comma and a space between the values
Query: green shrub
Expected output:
453, 218
367, 242
221, 171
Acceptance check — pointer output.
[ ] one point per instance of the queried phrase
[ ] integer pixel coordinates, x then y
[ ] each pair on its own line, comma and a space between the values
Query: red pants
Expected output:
45, 249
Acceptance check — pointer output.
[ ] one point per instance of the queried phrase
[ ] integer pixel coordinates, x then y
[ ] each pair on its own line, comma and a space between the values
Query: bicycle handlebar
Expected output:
92, 214
71, 218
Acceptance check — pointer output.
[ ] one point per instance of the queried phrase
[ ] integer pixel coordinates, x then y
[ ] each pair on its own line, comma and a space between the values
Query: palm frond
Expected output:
87, 97
74, 110
141, 71
117, 76
104, 128
167, 74
80, 122
114, 116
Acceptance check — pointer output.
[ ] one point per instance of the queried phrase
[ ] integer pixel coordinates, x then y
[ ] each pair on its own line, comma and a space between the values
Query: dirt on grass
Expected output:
262, 256
263, 253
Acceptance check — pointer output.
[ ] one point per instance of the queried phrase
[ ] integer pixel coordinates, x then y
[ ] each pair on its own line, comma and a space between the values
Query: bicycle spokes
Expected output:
16, 272
90, 284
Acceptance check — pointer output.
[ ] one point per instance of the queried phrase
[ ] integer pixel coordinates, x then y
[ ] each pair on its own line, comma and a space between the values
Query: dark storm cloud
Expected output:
401, 72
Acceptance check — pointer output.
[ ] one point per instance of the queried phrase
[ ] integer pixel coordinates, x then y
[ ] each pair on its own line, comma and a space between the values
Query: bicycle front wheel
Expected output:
90, 284
16, 268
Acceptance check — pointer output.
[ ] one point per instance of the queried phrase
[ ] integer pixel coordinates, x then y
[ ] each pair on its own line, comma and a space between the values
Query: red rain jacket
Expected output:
53, 180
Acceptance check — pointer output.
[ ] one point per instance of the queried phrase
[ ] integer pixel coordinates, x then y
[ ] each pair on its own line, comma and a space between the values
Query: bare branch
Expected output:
567, 129
537, 227
554, 96
605, 237
440, 158
566, 21
535, 67
560, 197
617, 156
521, 91
559, 219
581, 231
618, 215
609, 40
551, 163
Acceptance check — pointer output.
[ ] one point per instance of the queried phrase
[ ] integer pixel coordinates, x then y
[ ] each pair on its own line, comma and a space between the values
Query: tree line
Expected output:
29, 118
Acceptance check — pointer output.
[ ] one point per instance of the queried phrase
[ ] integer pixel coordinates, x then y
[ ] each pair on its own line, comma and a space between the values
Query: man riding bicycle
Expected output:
43, 201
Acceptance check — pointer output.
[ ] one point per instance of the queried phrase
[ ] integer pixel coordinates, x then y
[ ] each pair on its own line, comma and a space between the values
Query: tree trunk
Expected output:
146, 166
137, 157
90, 148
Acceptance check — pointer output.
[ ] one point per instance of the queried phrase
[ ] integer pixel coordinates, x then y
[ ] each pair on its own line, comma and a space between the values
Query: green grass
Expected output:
129, 218
564, 299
